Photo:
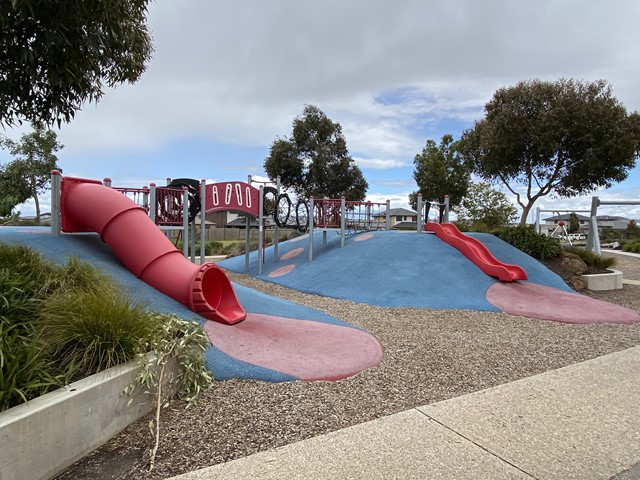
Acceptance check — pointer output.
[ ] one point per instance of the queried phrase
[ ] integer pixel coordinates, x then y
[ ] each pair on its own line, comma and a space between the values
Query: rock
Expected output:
578, 284
573, 263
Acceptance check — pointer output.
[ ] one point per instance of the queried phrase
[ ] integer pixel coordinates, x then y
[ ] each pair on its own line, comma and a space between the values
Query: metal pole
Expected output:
203, 219
152, 202
260, 230
343, 221
56, 186
311, 221
276, 228
388, 216
419, 226
593, 237
537, 227
247, 243
446, 208
185, 222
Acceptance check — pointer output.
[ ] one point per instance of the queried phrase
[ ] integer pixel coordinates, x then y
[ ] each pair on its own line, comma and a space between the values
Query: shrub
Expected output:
527, 240
24, 373
86, 332
633, 247
77, 275
24, 275
213, 247
592, 259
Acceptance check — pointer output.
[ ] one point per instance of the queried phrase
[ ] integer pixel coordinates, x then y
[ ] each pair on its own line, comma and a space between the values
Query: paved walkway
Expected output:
578, 422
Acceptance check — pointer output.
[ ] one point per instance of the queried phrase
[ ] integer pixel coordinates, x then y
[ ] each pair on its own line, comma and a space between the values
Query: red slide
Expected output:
88, 206
475, 251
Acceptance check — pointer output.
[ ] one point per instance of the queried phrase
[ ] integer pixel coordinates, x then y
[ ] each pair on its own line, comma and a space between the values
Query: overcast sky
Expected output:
228, 77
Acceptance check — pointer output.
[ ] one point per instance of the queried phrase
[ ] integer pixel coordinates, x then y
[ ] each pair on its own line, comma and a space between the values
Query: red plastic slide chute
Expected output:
475, 251
88, 206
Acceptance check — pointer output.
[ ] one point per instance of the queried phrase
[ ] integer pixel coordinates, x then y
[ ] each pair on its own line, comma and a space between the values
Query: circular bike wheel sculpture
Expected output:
169, 207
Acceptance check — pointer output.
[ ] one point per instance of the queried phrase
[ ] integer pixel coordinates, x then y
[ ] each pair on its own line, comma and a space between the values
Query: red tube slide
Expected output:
475, 251
88, 206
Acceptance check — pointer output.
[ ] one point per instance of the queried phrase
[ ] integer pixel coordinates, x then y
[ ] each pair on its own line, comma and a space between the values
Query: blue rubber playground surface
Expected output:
89, 247
390, 269
382, 268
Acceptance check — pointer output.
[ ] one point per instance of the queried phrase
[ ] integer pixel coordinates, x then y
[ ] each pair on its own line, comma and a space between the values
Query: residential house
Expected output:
604, 221
400, 218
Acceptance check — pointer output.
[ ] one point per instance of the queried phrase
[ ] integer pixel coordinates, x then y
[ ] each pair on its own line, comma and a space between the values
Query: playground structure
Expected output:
425, 207
475, 251
561, 227
470, 247
593, 238
119, 215
593, 235
83, 205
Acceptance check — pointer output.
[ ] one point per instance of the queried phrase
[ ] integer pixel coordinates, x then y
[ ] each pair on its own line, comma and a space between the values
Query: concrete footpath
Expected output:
578, 422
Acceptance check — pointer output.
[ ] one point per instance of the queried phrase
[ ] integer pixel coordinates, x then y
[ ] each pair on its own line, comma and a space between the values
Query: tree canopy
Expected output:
439, 171
57, 55
314, 160
29, 173
564, 138
486, 207
574, 223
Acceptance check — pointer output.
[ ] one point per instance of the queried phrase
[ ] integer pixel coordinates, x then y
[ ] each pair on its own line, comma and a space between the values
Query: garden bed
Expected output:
47, 434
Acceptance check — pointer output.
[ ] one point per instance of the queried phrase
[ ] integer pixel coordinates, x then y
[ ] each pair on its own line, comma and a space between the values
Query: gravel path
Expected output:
430, 355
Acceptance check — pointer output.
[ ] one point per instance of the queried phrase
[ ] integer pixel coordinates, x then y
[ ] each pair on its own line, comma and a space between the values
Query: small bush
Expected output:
592, 259
632, 247
24, 372
86, 332
527, 240
213, 247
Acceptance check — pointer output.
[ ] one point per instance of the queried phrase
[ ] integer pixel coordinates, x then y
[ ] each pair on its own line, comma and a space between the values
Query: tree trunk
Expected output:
34, 194
525, 213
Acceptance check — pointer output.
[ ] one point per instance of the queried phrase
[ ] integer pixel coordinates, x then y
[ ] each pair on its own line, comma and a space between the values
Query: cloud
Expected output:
240, 74
379, 164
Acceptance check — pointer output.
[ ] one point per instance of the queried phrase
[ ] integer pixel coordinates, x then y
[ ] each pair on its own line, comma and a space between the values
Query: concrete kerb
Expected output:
44, 436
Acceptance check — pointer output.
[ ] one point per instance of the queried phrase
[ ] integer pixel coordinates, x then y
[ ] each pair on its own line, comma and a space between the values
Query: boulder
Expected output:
573, 263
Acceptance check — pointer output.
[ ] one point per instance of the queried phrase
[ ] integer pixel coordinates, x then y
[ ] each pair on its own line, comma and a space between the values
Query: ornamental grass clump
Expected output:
592, 259
61, 323
24, 371
90, 331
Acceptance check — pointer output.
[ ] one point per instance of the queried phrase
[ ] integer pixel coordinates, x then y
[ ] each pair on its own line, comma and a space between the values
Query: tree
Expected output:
632, 229
439, 171
565, 138
30, 171
574, 223
14, 190
58, 55
314, 160
487, 206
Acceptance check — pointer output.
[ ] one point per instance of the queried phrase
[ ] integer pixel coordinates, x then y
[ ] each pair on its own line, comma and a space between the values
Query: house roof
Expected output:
606, 221
396, 212
566, 217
